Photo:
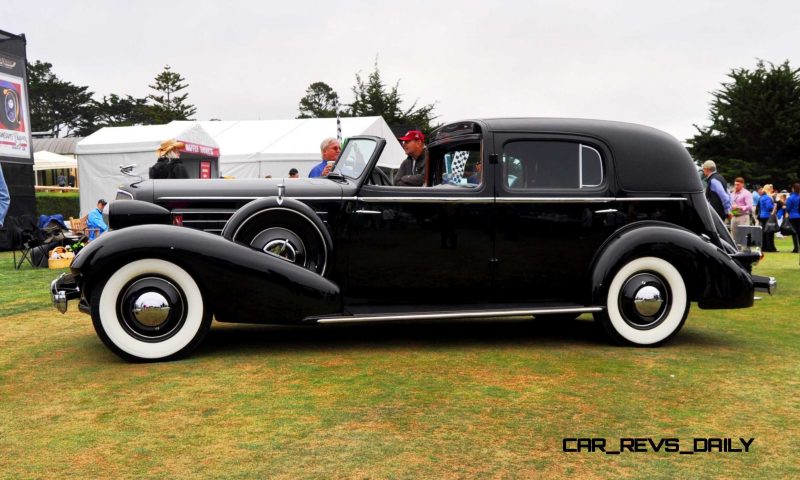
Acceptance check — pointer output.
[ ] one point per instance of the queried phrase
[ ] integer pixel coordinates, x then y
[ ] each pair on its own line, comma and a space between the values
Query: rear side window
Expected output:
547, 165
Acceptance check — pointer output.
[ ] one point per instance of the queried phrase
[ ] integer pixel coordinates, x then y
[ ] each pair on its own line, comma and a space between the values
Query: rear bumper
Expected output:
764, 284
63, 289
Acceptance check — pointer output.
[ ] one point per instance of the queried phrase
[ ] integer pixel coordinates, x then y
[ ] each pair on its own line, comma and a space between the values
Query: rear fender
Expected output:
239, 283
712, 277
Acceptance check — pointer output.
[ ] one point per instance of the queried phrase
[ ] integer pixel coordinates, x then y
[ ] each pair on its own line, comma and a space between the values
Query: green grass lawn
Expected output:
458, 400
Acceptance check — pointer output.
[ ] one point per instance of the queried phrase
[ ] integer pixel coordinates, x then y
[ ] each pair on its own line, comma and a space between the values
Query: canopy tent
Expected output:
44, 160
255, 149
102, 153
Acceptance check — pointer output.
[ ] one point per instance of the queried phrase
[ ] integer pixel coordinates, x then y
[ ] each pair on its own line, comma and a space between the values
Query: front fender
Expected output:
127, 213
240, 284
712, 277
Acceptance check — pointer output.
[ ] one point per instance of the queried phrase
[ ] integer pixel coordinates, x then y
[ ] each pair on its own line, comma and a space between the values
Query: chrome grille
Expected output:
210, 220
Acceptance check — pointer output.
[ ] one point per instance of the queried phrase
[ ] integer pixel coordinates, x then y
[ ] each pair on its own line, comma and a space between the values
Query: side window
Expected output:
457, 165
543, 165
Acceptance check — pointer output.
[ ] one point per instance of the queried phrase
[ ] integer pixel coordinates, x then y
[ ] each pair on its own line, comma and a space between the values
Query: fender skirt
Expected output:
238, 283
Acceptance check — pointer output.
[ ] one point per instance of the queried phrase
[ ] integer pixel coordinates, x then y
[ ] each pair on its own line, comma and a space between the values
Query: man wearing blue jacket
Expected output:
95, 222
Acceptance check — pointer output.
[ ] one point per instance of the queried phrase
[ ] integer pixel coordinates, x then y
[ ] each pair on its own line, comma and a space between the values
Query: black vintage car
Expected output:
517, 217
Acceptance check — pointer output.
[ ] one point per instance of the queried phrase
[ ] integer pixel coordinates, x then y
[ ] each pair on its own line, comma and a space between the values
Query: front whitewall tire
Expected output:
194, 325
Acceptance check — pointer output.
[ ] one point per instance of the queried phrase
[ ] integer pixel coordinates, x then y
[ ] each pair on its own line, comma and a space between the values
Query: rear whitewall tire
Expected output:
622, 327
190, 330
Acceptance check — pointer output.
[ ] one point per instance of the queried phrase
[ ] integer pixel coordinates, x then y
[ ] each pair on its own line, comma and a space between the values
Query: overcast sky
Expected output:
641, 61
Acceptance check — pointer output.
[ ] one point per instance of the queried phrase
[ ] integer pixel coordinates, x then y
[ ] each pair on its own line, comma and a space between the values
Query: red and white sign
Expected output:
205, 169
200, 149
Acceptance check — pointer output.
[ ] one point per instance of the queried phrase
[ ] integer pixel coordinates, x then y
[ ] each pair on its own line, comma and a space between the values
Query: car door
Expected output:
553, 212
422, 247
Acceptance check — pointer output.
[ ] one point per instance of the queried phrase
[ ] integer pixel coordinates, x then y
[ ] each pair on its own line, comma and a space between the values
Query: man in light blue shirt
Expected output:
5, 198
95, 222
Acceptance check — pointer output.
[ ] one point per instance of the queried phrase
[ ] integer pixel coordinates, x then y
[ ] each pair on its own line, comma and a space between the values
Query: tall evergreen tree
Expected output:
169, 105
373, 97
320, 101
119, 111
755, 125
56, 106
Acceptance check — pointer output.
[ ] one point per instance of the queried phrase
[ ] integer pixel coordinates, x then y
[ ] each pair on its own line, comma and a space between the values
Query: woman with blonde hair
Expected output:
766, 207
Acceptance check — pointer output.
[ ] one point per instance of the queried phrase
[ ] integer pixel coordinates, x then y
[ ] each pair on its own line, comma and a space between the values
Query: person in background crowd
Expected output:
5, 198
793, 215
780, 202
741, 205
756, 196
62, 180
293, 173
330, 149
169, 164
765, 208
412, 171
717, 191
95, 222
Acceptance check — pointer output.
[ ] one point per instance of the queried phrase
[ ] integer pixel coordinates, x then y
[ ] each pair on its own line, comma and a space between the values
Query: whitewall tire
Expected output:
646, 303
150, 309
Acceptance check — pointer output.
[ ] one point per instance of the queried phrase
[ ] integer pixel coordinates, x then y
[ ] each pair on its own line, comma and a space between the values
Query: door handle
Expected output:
369, 212
608, 210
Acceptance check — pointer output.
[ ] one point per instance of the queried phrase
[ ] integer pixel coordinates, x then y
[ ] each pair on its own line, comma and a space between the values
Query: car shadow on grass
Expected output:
240, 339
224, 337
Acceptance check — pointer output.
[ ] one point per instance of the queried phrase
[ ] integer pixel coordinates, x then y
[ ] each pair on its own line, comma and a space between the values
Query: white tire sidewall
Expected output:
124, 340
678, 301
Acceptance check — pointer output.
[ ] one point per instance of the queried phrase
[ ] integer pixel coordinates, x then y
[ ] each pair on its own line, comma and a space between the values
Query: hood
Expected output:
158, 191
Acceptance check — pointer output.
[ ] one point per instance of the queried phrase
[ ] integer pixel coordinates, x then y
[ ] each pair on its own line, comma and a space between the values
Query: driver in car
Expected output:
412, 170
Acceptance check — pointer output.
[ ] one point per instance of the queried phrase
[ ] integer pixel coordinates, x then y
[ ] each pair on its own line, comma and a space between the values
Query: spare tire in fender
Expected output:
286, 228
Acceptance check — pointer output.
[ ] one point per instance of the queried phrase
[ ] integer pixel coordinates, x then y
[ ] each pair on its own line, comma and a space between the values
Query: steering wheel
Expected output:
379, 177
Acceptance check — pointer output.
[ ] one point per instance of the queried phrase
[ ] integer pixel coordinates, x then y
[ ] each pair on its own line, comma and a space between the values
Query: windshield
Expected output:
355, 156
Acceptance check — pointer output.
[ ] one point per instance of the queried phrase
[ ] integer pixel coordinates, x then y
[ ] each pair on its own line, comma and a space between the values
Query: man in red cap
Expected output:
412, 170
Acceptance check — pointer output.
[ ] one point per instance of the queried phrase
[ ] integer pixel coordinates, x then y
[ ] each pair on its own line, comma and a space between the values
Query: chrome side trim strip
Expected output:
254, 198
651, 199
516, 199
449, 315
426, 199
202, 210
433, 199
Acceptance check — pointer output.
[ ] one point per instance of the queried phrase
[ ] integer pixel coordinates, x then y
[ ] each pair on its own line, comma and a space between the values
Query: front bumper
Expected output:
63, 289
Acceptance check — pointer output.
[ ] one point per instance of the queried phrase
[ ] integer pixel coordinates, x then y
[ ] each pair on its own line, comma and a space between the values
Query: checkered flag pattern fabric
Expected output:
338, 126
457, 167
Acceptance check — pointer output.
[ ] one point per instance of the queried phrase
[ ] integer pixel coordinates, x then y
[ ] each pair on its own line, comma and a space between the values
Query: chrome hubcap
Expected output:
647, 301
282, 248
283, 243
152, 309
644, 301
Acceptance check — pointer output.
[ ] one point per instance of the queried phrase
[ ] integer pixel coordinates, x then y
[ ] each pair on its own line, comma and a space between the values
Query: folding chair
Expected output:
28, 236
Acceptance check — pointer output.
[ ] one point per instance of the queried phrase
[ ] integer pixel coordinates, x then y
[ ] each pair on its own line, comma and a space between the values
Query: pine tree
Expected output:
169, 105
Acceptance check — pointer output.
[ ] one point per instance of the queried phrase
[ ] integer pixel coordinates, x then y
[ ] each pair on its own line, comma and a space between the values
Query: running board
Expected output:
393, 317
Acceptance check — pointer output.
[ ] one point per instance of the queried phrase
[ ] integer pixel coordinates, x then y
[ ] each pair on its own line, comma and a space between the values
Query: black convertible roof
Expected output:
645, 159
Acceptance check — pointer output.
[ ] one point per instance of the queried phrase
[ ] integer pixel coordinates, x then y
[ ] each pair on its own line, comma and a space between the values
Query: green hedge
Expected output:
65, 203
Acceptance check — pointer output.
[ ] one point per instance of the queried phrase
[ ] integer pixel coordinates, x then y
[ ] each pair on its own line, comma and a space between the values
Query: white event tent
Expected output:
257, 148
44, 160
102, 153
